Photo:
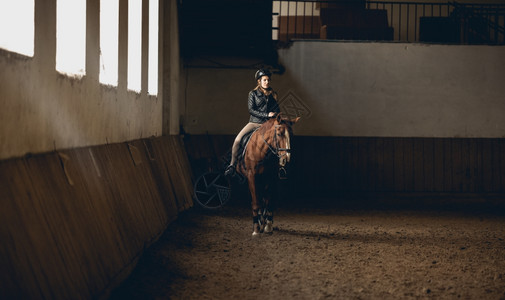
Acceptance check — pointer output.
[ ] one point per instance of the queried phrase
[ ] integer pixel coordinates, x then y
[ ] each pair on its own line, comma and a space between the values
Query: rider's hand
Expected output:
271, 114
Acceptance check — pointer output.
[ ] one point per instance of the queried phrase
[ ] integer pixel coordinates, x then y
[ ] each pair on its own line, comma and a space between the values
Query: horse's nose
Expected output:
283, 161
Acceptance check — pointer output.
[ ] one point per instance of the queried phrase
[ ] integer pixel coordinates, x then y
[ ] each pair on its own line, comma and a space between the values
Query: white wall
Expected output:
42, 110
365, 89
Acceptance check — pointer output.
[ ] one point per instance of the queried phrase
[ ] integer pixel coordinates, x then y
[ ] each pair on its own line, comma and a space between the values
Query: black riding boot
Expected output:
230, 171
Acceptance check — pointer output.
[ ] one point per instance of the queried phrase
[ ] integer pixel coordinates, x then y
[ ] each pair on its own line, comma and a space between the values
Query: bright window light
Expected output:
109, 41
152, 88
134, 44
17, 26
71, 37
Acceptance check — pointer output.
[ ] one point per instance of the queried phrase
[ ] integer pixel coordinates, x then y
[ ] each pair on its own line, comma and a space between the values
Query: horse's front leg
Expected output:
254, 203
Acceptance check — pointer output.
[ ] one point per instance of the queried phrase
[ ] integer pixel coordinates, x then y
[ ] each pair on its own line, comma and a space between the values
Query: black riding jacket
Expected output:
260, 105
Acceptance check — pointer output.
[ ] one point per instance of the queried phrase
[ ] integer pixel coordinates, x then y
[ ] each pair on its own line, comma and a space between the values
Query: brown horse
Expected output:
265, 158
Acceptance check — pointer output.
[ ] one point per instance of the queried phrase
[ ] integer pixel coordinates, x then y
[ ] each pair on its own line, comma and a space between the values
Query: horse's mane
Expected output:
270, 122
266, 126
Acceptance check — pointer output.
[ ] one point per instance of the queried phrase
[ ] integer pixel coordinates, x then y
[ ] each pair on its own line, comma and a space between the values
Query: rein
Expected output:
275, 150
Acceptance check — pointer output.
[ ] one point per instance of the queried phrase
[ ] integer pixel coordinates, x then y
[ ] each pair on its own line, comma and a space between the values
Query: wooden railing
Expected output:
449, 22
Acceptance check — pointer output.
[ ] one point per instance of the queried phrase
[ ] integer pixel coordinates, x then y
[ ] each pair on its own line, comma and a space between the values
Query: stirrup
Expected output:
230, 170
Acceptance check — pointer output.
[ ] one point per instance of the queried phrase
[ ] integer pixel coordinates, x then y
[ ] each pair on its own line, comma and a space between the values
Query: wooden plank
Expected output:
156, 216
428, 165
157, 161
166, 152
478, 180
378, 174
363, 164
346, 165
419, 165
408, 163
354, 164
438, 165
448, 169
328, 160
304, 161
184, 171
321, 173
487, 165
389, 164
372, 164
337, 172
399, 165
458, 169
175, 163
502, 165
338, 169
496, 156
470, 157
309, 164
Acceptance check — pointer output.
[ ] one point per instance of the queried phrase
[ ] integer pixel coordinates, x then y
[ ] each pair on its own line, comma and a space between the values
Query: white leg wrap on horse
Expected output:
269, 228
256, 229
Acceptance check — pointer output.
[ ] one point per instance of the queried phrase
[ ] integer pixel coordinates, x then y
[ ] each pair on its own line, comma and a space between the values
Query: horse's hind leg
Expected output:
268, 216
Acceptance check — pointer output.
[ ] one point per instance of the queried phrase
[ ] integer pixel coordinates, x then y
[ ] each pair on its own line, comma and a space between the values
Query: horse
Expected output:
263, 162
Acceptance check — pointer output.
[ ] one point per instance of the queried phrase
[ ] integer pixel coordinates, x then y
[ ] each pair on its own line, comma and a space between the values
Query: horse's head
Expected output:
282, 138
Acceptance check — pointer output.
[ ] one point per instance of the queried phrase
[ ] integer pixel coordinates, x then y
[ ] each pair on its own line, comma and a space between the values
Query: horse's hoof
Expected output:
269, 228
256, 229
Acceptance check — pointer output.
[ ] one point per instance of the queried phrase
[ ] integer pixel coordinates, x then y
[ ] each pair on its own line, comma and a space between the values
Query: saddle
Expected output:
243, 145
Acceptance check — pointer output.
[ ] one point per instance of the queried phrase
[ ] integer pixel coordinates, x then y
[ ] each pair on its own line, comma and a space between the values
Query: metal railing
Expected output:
449, 22
480, 23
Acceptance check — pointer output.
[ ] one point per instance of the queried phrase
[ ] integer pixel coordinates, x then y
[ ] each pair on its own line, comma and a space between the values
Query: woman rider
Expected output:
262, 105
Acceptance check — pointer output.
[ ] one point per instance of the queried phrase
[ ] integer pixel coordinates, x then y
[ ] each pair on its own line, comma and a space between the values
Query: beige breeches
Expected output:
248, 127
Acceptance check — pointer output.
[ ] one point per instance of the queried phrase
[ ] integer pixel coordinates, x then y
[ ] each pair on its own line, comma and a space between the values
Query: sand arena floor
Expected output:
337, 253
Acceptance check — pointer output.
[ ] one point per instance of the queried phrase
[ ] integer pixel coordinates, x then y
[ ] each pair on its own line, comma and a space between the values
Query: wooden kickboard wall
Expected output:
74, 222
381, 164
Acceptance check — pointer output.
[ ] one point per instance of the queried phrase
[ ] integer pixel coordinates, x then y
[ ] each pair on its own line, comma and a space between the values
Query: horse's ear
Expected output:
293, 121
278, 117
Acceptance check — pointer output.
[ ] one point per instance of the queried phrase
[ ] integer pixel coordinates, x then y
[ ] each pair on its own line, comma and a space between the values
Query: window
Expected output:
134, 45
17, 23
71, 37
109, 41
153, 48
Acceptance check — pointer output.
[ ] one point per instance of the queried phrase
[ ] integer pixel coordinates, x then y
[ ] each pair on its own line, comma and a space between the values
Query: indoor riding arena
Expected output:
118, 118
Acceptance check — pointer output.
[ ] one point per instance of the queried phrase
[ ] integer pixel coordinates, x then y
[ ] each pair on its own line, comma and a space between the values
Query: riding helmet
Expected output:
262, 72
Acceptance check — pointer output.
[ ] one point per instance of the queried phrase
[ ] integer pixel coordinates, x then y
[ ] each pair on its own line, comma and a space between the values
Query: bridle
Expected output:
276, 151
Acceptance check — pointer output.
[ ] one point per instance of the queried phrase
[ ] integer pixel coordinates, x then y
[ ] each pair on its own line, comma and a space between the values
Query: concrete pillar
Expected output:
165, 63
45, 35
93, 40
144, 81
123, 47
175, 70
161, 55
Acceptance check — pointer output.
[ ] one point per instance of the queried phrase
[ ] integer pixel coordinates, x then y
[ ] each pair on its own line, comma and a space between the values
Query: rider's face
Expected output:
265, 82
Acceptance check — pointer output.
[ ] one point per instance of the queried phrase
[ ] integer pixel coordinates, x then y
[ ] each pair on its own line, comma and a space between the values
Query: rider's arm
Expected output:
275, 106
